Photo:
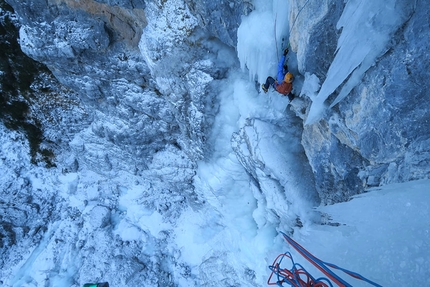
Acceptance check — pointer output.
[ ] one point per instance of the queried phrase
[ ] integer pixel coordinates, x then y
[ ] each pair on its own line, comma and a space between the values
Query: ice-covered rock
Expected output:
136, 109
368, 138
314, 35
276, 162
152, 131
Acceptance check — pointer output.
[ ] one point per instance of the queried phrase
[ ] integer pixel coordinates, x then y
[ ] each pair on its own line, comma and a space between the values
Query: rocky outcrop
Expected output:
120, 59
130, 101
314, 34
379, 134
221, 19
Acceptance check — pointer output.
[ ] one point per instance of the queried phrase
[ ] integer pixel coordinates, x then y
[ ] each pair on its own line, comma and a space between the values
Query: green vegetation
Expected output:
17, 73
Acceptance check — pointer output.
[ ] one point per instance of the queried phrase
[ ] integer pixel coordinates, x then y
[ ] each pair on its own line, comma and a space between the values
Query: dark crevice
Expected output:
17, 73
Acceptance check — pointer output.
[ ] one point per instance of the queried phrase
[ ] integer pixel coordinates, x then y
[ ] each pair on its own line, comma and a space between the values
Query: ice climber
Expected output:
284, 82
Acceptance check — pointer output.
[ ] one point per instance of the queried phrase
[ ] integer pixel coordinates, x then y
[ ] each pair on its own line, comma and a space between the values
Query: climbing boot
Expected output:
291, 96
264, 88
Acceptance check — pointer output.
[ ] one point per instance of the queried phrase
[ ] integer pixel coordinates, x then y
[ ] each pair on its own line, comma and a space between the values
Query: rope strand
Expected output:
297, 276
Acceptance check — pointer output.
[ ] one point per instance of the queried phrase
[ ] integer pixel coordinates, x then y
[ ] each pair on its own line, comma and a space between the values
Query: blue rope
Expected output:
311, 258
294, 277
323, 264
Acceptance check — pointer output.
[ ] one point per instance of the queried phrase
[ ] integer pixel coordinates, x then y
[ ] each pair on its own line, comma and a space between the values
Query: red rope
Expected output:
294, 277
299, 277
305, 255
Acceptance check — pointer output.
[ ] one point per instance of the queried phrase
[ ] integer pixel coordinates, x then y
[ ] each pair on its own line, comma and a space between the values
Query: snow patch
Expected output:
136, 218
383, 235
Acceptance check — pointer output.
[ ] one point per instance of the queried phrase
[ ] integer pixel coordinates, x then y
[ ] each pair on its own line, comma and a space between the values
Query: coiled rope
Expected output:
294, 276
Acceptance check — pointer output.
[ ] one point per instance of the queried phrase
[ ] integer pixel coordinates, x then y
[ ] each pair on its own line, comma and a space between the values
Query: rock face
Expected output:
92, 47
314, 35
220, 19
134, 95
379, 134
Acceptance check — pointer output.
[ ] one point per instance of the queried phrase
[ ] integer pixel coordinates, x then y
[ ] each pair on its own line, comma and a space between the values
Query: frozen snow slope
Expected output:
384, 235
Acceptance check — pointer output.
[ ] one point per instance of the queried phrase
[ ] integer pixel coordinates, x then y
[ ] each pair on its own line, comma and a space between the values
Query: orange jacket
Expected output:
284, 87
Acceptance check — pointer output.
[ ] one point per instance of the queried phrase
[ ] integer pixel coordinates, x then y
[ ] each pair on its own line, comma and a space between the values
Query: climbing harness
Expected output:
297, 276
